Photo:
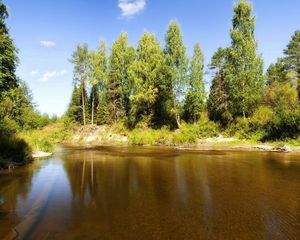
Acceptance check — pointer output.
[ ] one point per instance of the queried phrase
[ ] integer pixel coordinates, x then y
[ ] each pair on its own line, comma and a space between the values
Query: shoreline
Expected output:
204, 146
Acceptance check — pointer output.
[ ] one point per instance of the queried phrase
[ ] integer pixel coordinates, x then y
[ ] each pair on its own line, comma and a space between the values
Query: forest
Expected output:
154, 88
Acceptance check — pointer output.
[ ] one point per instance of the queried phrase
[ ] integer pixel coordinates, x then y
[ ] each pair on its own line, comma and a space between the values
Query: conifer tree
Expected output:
74, 111
8, 55
292, 58
218, 103
195, 97
244, 68
176, 60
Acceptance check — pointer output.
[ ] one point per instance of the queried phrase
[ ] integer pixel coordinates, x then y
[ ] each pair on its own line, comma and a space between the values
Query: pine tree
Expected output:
146, 73
292, 58
118, 84
176, 60
277, 72
195, 97
244, 68
8, 55
80, 59
74, 111
218, 103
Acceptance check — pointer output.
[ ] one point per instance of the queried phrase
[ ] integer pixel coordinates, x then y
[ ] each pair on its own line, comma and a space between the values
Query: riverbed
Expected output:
152, 193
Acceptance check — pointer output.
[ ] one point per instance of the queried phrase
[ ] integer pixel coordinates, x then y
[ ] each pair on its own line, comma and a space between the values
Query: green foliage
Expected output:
218, 102
45, 139
98, 79
243, 68
285, 125
146, 73
262, 117
8, 55
292, 58
119, 85
81, 60
13, 150
187, 134
195, 97
177, 62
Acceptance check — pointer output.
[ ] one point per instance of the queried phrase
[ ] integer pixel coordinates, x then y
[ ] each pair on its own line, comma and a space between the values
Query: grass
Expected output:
46, 138
187, 134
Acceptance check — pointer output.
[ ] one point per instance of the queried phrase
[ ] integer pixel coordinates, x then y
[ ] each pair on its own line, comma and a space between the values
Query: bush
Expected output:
13, 150
262, 117
284, 125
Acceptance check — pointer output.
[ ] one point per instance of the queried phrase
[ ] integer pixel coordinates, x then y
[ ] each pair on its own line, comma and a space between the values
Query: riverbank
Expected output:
188, 137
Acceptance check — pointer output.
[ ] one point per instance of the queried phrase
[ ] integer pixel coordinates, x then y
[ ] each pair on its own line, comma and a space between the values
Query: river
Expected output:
152, 193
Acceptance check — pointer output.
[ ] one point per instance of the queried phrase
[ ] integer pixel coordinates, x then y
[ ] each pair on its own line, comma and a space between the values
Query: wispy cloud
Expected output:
34, 73
130, 8
49, 75
48, 44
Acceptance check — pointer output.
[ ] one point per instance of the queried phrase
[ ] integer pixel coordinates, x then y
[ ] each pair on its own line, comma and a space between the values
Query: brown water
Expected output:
152, 193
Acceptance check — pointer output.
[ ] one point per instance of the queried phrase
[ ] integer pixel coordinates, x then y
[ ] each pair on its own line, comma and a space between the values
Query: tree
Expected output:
195, 97
80, 59
277, 72
8, 55
146, 73
292, 58
176, 60
98, 76
218, 103
118, 84
75, 107
244, 68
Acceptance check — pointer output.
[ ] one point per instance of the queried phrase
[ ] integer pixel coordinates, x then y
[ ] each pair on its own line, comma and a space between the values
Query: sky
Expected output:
47, 32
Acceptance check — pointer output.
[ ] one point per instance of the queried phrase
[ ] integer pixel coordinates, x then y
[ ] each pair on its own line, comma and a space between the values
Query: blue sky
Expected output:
46, 33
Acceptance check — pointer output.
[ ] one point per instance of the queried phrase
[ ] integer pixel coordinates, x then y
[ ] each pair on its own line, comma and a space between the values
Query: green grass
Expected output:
46, 138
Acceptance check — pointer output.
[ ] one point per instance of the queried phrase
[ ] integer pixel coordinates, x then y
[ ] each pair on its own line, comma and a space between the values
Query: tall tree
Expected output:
218, 103
118, 84
98, 76
80, 59
195, 97
292, 58
8, 54
244, 68
176, 60
146, 73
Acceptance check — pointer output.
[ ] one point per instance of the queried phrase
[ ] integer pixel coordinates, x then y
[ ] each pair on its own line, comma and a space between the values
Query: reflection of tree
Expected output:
15, 185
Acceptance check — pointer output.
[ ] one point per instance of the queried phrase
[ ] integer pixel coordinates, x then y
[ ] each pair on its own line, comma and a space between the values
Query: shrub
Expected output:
262, 117
13, 150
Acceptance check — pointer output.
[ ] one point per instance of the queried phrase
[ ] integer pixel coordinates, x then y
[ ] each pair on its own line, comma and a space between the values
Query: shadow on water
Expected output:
157, 193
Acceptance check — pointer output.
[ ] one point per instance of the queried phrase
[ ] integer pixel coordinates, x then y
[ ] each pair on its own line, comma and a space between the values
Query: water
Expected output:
152, 193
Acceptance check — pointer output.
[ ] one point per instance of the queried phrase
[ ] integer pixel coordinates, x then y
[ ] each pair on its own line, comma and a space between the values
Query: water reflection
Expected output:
154, 193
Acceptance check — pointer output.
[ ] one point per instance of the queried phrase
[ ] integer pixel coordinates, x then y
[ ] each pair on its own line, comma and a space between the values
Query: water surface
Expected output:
152, 193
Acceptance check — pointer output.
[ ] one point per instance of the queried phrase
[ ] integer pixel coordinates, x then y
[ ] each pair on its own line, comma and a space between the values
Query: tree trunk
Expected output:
83, 106
178, 120
93, 99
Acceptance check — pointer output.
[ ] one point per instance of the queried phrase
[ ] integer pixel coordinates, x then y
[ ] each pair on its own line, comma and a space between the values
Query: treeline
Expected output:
153, 86
17, 111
